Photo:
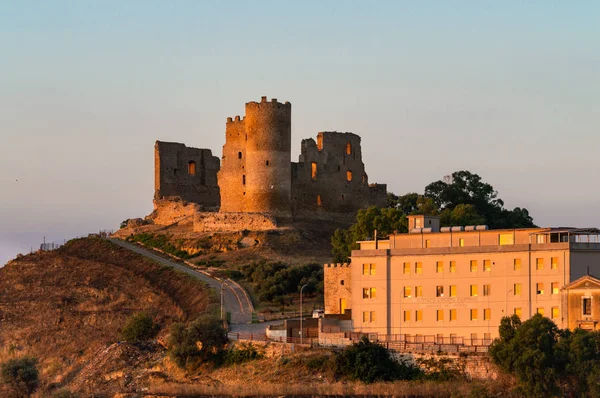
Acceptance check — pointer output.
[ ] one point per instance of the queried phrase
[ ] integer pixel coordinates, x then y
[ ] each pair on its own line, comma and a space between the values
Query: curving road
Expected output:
235, 299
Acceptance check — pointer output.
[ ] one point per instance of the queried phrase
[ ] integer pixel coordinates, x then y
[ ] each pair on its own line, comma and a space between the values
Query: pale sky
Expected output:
507, 90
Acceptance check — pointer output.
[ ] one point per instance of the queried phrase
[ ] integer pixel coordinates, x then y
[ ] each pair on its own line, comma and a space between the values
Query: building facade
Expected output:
460, 282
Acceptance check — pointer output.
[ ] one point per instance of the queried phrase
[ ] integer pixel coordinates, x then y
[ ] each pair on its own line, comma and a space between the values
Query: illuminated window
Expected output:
372, 269
517, 289
587, 306
320, 142
365, 269
554, 287
487, 314
427, 243
452, 266
192, 167
365, 316
407, 268
540, 311
439, 267
439, 291
539, 288
473, 314
452, 315
473, 265
461, 242
440, 315
313, 171
369, 316
506, 239
406, 316
418, 291
319, 202
518, 312
373, 316
348, 148
418, 315
539, 263
473, 290
349, 175
554, 312
487, 265
407, 292
554, 263
418, 268
517, 264
452, 290
487, 290
369, 293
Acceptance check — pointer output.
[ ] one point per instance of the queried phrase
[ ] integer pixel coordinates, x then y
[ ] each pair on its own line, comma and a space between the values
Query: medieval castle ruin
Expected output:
256, 174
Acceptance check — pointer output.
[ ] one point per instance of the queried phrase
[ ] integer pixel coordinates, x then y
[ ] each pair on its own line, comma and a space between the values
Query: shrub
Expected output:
369, 362
318, 363
21, 375
242, 353
138, 327
201, 340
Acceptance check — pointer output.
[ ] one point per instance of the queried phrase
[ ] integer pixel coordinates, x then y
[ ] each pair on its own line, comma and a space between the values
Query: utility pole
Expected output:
301, 289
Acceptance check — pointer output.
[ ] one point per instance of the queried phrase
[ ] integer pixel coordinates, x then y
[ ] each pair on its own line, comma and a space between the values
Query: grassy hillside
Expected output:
67, 307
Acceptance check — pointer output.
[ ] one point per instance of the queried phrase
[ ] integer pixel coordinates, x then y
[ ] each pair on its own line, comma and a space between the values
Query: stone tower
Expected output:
255, 175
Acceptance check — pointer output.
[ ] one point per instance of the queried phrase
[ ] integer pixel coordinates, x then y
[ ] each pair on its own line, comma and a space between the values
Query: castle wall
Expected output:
225, 222
187, 173
337, 280
256, 172
330, 177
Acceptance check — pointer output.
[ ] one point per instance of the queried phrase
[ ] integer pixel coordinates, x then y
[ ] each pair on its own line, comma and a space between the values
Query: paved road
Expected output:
234, 299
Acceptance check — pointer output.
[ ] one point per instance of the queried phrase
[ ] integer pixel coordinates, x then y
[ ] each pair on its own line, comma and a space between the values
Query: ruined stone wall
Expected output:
187, 173
330, 177
226, 222
256, 172
337, 282
168, 211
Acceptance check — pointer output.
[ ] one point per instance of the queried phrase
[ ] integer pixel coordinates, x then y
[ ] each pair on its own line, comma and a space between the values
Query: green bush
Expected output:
21, 375
139, 327
199, 341
318, 363
370, 362
242, 353
160, 242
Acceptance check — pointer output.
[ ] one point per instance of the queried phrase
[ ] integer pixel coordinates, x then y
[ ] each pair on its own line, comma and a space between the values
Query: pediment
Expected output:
586, 282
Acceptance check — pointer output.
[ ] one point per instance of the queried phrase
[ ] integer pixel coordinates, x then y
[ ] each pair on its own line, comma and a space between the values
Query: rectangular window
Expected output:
487, 336
440, 315
517, 264
372, 269
554, 312
406, 316
517, 289
540, 239
369, 316
365, 269
365, 316
427, 243
473, 265
473, 291
418, 291
407, 268
506, 239
554, 263
418, 268
518, 312
539, 263
452, 315
452, 266
418, 315
487, 265
373, 316
473, 314
313, 171
439, 291
487, 290
369, 293
452, 290
365, 292
439, 267
540, 311
407, 292
461, 242
487, 314
539, 288
587, 306
554, 287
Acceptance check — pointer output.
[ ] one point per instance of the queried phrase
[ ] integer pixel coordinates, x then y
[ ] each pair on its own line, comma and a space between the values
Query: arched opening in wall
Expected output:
239, 155
244, 179
348, 148
267, 162
313, 171
192, 167
319, 203
320, 142
349, 175
175, 171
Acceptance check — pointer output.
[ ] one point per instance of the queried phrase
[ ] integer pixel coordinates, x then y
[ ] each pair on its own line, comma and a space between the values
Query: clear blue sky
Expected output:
508, 90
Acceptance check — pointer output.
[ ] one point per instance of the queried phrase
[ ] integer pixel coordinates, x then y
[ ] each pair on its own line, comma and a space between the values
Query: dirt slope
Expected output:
67, 306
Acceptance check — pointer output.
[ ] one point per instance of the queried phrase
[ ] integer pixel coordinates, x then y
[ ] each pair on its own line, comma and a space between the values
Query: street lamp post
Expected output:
301, 289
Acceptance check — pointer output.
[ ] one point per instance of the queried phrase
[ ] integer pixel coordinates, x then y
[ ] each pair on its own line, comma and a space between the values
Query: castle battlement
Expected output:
337, 265
268, 104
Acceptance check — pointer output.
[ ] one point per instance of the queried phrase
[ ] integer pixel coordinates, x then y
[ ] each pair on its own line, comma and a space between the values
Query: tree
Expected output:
201, 340
21, 375
461, 215
138, 327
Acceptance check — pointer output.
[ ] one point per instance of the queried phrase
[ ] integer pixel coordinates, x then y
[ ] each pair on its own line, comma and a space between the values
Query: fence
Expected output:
263, 338
48, 246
